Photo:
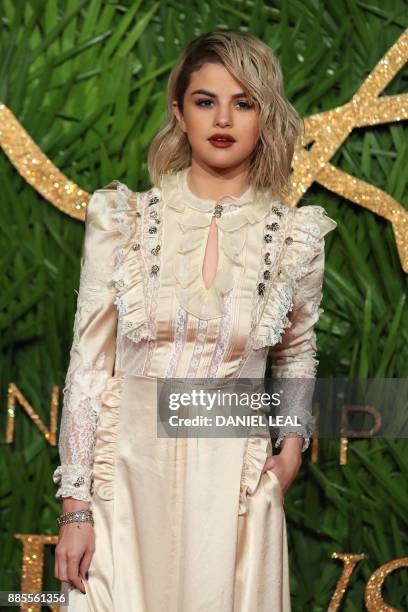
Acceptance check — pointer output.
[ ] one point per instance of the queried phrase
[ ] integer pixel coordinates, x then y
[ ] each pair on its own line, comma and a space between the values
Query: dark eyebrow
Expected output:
241, 94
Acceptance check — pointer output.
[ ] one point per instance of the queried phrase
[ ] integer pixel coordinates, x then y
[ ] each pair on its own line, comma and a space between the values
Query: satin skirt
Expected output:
181, 524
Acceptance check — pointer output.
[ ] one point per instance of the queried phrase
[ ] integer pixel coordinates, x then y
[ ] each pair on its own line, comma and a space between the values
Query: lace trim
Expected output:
130, 278
152, 217
306, 438
278, 321
308, 425
178, 343
307, 228
120, 214
271, 255
275, 299
299, 266
223, 338
84, 384
306, 430
303, 415
74, 481
198, 348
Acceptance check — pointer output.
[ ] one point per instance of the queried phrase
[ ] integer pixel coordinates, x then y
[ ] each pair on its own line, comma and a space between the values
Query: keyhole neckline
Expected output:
213, 223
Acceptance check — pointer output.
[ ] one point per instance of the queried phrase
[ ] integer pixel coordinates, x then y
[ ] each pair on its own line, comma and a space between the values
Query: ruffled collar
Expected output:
206, 204
197, 212
194, 216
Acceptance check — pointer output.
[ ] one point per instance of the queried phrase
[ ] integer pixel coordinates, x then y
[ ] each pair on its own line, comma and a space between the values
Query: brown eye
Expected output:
204, 102
245, 105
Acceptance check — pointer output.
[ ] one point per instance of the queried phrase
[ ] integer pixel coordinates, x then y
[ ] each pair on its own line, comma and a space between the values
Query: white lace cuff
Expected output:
74, 481
306, 439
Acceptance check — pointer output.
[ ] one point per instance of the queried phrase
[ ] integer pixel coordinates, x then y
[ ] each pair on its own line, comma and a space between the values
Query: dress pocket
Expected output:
257, 450
273, 487
106, 438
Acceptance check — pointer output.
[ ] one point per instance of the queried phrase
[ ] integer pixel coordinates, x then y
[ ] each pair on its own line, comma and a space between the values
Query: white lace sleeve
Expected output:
294, 357
92, 354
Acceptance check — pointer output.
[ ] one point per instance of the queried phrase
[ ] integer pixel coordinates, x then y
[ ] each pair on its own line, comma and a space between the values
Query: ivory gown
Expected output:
184, 524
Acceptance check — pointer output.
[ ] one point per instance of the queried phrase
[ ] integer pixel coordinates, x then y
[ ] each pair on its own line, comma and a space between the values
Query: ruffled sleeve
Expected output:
93, 349
294, 356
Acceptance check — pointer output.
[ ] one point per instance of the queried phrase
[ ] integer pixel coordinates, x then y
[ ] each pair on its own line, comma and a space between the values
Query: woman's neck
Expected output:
206, 184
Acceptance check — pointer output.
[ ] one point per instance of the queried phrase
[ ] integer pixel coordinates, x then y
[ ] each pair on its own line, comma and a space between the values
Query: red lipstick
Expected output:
221, 141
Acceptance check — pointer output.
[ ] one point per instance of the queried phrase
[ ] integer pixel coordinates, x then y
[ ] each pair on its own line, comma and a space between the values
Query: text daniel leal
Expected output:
251, 420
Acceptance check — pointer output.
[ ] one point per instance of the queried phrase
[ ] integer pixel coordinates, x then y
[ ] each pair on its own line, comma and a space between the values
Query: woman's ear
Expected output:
179, 116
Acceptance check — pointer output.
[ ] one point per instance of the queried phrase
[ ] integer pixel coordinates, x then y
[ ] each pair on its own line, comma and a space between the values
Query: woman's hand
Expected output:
75, 548
286, 465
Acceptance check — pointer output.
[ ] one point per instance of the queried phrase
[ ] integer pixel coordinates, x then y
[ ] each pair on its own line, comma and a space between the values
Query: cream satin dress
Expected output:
184, 524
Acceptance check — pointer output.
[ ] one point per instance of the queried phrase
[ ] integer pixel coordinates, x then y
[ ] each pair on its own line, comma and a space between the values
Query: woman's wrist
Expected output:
292, 446
70, 504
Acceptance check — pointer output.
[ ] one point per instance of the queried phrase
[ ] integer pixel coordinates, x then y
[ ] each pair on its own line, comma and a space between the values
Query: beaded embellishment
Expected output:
134, 322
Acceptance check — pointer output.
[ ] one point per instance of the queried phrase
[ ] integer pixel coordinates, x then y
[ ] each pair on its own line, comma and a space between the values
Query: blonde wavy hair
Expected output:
257, 69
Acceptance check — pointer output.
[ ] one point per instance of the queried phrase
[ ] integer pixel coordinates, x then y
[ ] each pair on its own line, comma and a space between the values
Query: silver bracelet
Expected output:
76, 516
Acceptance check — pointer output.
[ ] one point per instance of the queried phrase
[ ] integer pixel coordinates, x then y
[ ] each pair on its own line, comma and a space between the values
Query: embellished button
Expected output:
153, 215
79, 481
153, 200
155, 250
138, 214
280, 272
289, 240
268, 238
277, 211
217, 210
152, 229
261, 288
267, 259
267, 275
273, 226
154, 269
136, 246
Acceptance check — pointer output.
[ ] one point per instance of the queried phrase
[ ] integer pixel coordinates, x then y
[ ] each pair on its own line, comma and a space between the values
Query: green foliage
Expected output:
88, 82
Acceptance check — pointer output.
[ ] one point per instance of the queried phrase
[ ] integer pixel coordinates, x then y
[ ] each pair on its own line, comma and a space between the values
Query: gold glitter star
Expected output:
327, 131
330, 129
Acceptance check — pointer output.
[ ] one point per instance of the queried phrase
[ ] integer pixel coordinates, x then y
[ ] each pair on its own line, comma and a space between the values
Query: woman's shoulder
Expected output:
116, 206
306, 228
311, 221
119, 194
304, 242
110, 206
116, 193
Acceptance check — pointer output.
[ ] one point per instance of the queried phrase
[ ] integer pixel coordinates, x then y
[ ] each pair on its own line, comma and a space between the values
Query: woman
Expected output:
199, 277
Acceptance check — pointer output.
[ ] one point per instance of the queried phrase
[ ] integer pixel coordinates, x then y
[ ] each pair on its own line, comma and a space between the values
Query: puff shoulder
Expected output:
108, 205
309, 226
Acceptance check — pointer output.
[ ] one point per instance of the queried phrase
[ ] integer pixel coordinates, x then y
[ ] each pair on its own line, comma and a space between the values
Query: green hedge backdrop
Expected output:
87, 81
